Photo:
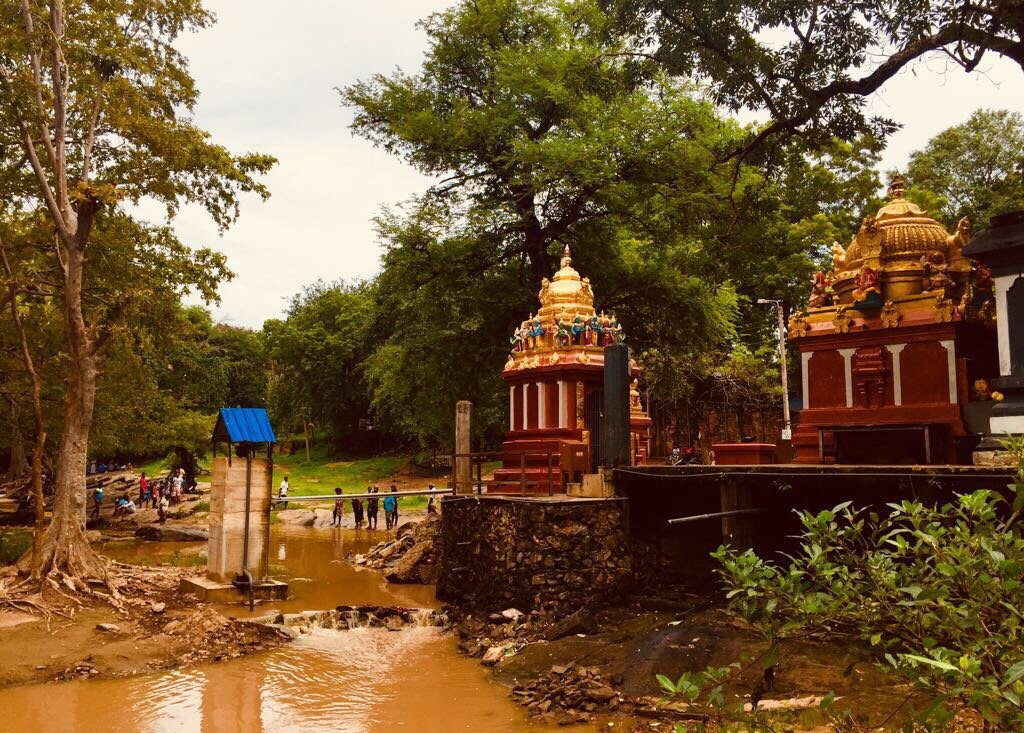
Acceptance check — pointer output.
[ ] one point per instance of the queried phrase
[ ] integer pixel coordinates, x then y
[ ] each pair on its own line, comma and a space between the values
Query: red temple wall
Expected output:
826, 373
925, 369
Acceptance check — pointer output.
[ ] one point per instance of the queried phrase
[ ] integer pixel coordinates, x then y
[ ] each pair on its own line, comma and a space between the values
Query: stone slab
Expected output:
214, 592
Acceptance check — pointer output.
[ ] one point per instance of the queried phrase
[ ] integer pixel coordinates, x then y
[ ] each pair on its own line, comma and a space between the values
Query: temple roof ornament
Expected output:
566, 322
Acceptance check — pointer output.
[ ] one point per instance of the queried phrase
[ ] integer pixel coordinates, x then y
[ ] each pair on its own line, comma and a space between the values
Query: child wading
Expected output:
339, 509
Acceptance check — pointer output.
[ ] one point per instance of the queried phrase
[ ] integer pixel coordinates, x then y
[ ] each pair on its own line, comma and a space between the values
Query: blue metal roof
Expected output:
244, 425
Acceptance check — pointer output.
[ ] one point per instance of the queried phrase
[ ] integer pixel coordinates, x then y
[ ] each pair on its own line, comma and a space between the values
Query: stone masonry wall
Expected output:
533, 553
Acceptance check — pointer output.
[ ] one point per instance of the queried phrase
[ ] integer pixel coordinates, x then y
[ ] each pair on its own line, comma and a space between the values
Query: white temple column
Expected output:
526, 405
512, 407
563, 418
805, 359
951, 368
1003, 283
897, 375
542, 417
847, 355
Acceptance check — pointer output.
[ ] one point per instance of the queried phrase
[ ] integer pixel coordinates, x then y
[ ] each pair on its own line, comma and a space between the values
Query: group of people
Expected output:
160, 494
373, 507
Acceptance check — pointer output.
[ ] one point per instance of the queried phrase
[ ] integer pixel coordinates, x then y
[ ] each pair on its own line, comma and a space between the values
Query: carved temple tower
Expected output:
555, 377
897, 345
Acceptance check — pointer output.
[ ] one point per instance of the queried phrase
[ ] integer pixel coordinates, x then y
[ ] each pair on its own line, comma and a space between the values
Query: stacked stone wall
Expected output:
533, 554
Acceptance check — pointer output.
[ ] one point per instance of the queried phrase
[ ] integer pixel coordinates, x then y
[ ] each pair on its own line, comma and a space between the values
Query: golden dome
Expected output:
566, 293
906, 229
566, 324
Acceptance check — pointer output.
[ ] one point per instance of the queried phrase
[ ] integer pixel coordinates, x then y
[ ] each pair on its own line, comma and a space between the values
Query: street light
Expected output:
787, 430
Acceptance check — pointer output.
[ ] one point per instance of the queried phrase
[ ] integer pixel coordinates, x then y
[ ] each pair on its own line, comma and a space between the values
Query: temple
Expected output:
555, 376
897, 346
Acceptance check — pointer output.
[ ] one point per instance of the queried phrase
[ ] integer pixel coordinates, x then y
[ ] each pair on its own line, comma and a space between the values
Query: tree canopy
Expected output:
975, 169
811, 63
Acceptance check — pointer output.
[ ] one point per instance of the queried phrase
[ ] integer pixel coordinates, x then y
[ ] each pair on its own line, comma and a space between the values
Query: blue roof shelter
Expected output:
245, 427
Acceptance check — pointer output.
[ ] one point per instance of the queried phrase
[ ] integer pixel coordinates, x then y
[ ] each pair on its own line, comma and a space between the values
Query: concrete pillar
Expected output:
227, 519
563, 416
512, 408
463, 425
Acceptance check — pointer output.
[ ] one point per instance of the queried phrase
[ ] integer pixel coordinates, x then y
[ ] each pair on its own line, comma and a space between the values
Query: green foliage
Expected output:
317, 356
975, 169
812, 64
933, 593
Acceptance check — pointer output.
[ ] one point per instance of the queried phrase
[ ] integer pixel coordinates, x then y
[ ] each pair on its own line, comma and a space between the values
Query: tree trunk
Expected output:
19, 463
64, 549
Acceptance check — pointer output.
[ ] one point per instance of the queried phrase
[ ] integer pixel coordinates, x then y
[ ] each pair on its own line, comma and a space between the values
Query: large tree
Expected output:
94, 116
811, 63
975, 169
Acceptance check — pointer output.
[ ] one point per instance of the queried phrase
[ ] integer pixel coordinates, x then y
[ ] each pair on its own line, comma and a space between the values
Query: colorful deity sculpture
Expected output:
867, 285
821, 291
935, 272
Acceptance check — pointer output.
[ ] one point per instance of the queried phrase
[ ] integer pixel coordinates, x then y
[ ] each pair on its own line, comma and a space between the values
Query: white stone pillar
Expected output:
951, 368
897, 375
512, 407
563, 417
542, 417
525, 386
847, 355
805, 359
1003, 283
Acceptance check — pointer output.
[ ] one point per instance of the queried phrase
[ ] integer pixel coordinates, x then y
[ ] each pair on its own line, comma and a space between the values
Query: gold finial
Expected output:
897, 184
566, 256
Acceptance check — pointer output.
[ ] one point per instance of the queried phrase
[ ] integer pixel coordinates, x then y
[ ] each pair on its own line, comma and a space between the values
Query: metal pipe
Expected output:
245, 537
332, 497
713, 515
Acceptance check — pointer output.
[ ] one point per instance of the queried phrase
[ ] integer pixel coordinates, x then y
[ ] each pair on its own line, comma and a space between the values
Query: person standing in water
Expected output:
372, 508
357, 512
394, 510
339, 508
389, 508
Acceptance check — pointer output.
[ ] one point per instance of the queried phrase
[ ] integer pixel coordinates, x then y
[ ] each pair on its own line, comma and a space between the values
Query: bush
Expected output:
935, 594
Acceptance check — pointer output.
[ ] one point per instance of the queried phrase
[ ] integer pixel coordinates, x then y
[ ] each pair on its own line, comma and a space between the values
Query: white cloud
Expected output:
268, 71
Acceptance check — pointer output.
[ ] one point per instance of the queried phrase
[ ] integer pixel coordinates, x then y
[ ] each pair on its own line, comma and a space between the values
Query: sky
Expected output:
268, 73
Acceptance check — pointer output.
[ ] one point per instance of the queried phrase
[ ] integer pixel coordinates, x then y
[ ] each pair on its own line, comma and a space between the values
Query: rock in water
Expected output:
172, 532
493, 655
301, 517
108, 628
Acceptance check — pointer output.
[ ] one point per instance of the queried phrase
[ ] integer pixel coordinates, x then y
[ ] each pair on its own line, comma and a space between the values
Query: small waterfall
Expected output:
345, 618
351, 619
422, 617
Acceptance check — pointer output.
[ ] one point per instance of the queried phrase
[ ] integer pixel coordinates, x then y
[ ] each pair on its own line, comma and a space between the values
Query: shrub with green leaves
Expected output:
934, 593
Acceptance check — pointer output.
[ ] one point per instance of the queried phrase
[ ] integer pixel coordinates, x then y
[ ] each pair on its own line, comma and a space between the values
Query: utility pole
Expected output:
787, 429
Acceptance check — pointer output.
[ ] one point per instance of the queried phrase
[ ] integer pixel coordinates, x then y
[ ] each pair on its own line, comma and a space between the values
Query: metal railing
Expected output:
552, 460
364, 495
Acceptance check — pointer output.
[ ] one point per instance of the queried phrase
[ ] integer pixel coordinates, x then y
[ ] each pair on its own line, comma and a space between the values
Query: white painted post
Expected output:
848, 373
897, 375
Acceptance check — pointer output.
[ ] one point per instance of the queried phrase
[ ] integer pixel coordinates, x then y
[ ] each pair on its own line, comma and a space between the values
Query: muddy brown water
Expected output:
358, 680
